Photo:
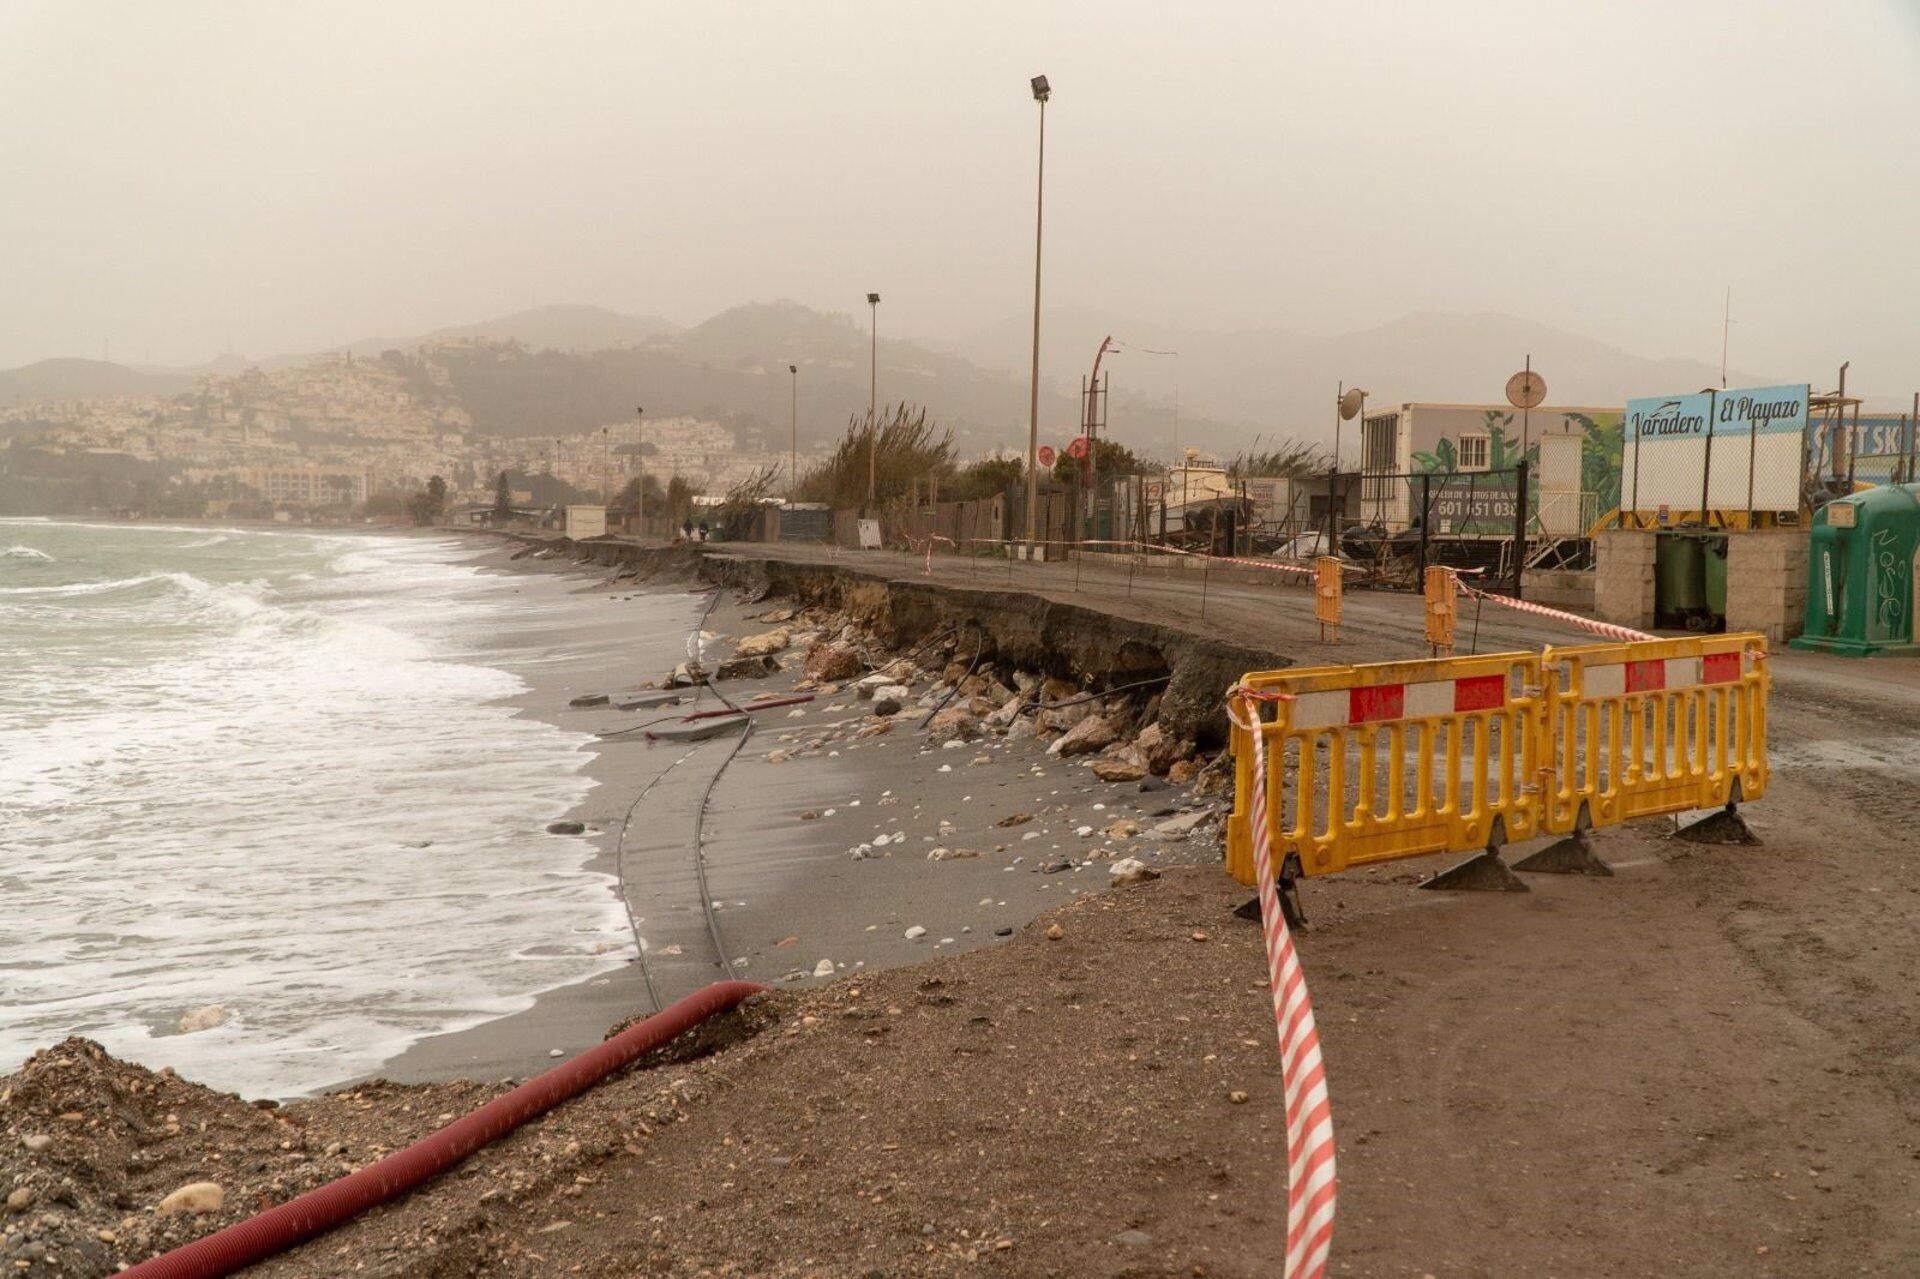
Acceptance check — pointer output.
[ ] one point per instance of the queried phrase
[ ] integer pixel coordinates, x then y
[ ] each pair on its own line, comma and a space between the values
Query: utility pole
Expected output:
873, 383
1041, 92
793, 435
640, 451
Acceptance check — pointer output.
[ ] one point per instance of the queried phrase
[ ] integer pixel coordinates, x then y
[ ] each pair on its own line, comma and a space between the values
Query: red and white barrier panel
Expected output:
1656, 674
1607, 629
1387, 702
1311, 1181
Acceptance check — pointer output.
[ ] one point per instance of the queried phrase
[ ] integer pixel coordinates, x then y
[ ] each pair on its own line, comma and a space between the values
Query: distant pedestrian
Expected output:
686, 529
703, 530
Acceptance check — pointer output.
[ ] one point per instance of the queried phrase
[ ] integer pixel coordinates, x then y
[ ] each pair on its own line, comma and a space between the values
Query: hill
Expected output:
74, 379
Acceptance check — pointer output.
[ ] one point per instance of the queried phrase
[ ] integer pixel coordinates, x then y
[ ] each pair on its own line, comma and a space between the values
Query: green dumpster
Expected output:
1690, 580
1865, 550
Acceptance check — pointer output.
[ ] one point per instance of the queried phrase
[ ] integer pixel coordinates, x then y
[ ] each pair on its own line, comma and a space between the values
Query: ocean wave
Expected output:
86, 588
206, 542
26, 553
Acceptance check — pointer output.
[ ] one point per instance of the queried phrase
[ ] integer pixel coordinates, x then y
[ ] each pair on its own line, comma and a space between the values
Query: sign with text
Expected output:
1754, 436
1466, 502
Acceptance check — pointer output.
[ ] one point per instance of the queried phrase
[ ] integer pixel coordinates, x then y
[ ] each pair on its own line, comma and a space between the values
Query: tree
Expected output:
437, 495
987, 478
1109, 458
904, 450
427, 505
502, 497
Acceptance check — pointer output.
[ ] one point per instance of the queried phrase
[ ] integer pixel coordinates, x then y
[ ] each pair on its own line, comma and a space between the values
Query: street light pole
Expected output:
1041, 92
640, 452
793, 439
873, 383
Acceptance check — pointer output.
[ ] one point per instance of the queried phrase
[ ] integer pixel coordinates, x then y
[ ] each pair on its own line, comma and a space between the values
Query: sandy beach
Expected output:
785, 814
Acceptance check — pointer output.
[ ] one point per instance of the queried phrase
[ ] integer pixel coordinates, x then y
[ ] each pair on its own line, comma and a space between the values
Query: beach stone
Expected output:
823, 969
951, 854
1008, 711
590, 699
201, 1019
764, 644
1160, 749
1092, 734
1131, 870
1055, 932
830, 660
956, 723
196, 1197
20, 1200
1022, 728
1122, 828
915, 933
1118, 770
566, 828
37, 1143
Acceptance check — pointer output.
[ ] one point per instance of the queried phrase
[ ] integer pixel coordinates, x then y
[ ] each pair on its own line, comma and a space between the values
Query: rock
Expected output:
1018, 819
952, 854
915, 933
1237, 1097
1093, 734
830, 660
20, 1200
685, 675
590, 699
1133, 1238
201, 1019
956, 723
1008, 712
1150, 783
1022, 728
887, 707
1216, 778
779, 757
1058, 690
1182, 772
1122, 828
37, 1143
1160, 749
196, 1197
764, 644
1118, 770
566, 828
823, 969
1131, 870
1198, 934
1057, 719
877, 728
1056, 867
1184, 825
1003, 932
747, 668
1055, 932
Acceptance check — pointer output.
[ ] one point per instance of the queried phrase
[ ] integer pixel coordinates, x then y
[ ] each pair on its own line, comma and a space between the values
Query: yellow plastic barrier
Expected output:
1326, 595
1659, 726
1397, 759
1400, 759
1443, 608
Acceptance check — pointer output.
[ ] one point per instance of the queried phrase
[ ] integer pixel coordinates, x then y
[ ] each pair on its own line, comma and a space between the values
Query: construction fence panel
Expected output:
1378, 762
1652, 727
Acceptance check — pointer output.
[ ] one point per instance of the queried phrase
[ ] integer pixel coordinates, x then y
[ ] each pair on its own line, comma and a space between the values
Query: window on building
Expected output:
1474, 452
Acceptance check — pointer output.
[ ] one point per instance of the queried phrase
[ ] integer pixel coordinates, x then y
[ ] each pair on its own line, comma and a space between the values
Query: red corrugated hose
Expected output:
318, 1211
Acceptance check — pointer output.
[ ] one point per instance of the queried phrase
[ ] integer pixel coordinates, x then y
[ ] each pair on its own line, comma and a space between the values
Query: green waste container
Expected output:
1865, 551
1690, 580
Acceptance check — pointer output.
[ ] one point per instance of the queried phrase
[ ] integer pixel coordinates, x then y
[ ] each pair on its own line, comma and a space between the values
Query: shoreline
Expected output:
790, 893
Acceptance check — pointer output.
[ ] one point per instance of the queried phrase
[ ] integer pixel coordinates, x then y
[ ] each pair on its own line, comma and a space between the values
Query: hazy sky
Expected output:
177, 175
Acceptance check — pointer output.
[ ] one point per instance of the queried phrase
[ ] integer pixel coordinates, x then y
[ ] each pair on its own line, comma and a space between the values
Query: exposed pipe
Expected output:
318, 1211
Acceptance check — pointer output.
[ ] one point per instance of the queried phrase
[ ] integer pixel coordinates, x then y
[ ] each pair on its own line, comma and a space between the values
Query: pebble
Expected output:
1055, 932
1133, 1238
823, 969
20, 1200
1237, 1097
1003, 932
197, 1197
555, 1052
37, 1142
915, 933
1199, 934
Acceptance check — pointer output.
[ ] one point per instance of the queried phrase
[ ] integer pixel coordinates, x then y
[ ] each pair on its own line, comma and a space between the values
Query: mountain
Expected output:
559, 327
1285, 381
72, 379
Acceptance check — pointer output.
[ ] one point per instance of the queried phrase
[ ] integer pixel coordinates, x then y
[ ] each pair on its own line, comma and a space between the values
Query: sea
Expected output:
273, 782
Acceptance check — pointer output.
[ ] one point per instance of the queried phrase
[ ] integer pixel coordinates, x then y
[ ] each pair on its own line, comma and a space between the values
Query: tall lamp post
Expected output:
1041, 92
640, 452
873, 382
793, 437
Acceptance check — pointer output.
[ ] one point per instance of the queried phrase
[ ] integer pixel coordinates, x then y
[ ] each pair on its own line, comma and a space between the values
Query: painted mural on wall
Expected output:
1472, 502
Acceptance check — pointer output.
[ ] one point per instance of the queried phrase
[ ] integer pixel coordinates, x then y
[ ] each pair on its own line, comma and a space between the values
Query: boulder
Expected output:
1118, 770
1161, 749
1092, 734
954, 724
196, 1197
829, 660
764, 644
747, 668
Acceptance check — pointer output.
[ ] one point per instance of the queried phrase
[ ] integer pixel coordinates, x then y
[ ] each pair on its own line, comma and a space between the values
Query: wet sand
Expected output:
787, 892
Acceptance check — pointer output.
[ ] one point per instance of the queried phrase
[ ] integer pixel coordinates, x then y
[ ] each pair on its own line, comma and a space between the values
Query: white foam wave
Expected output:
26, 553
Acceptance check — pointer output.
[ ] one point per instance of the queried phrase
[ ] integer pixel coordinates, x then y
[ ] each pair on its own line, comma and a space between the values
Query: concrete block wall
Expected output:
1623, 577
1560, 588
1767, 582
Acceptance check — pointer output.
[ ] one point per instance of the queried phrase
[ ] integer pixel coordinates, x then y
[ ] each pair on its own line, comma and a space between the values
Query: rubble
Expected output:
1091, 734
764, 644
829, 660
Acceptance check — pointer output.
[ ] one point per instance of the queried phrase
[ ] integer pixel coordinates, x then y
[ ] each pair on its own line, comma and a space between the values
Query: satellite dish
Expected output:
1526, 389
1350, 403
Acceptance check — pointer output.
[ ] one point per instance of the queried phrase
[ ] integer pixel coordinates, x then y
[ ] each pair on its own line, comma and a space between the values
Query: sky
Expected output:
184, 178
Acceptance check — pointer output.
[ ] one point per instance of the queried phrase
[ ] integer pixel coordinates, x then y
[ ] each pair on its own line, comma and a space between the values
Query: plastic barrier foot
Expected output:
1481, 873
1573, 855
1288, 891
1723, 827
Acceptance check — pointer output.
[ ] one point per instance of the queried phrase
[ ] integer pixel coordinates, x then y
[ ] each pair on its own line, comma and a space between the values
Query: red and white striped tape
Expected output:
1311, 1180
1608, 629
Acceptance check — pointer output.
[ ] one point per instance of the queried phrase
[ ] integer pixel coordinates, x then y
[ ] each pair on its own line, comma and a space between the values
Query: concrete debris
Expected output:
1184, 825
686, 675
1131, 870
